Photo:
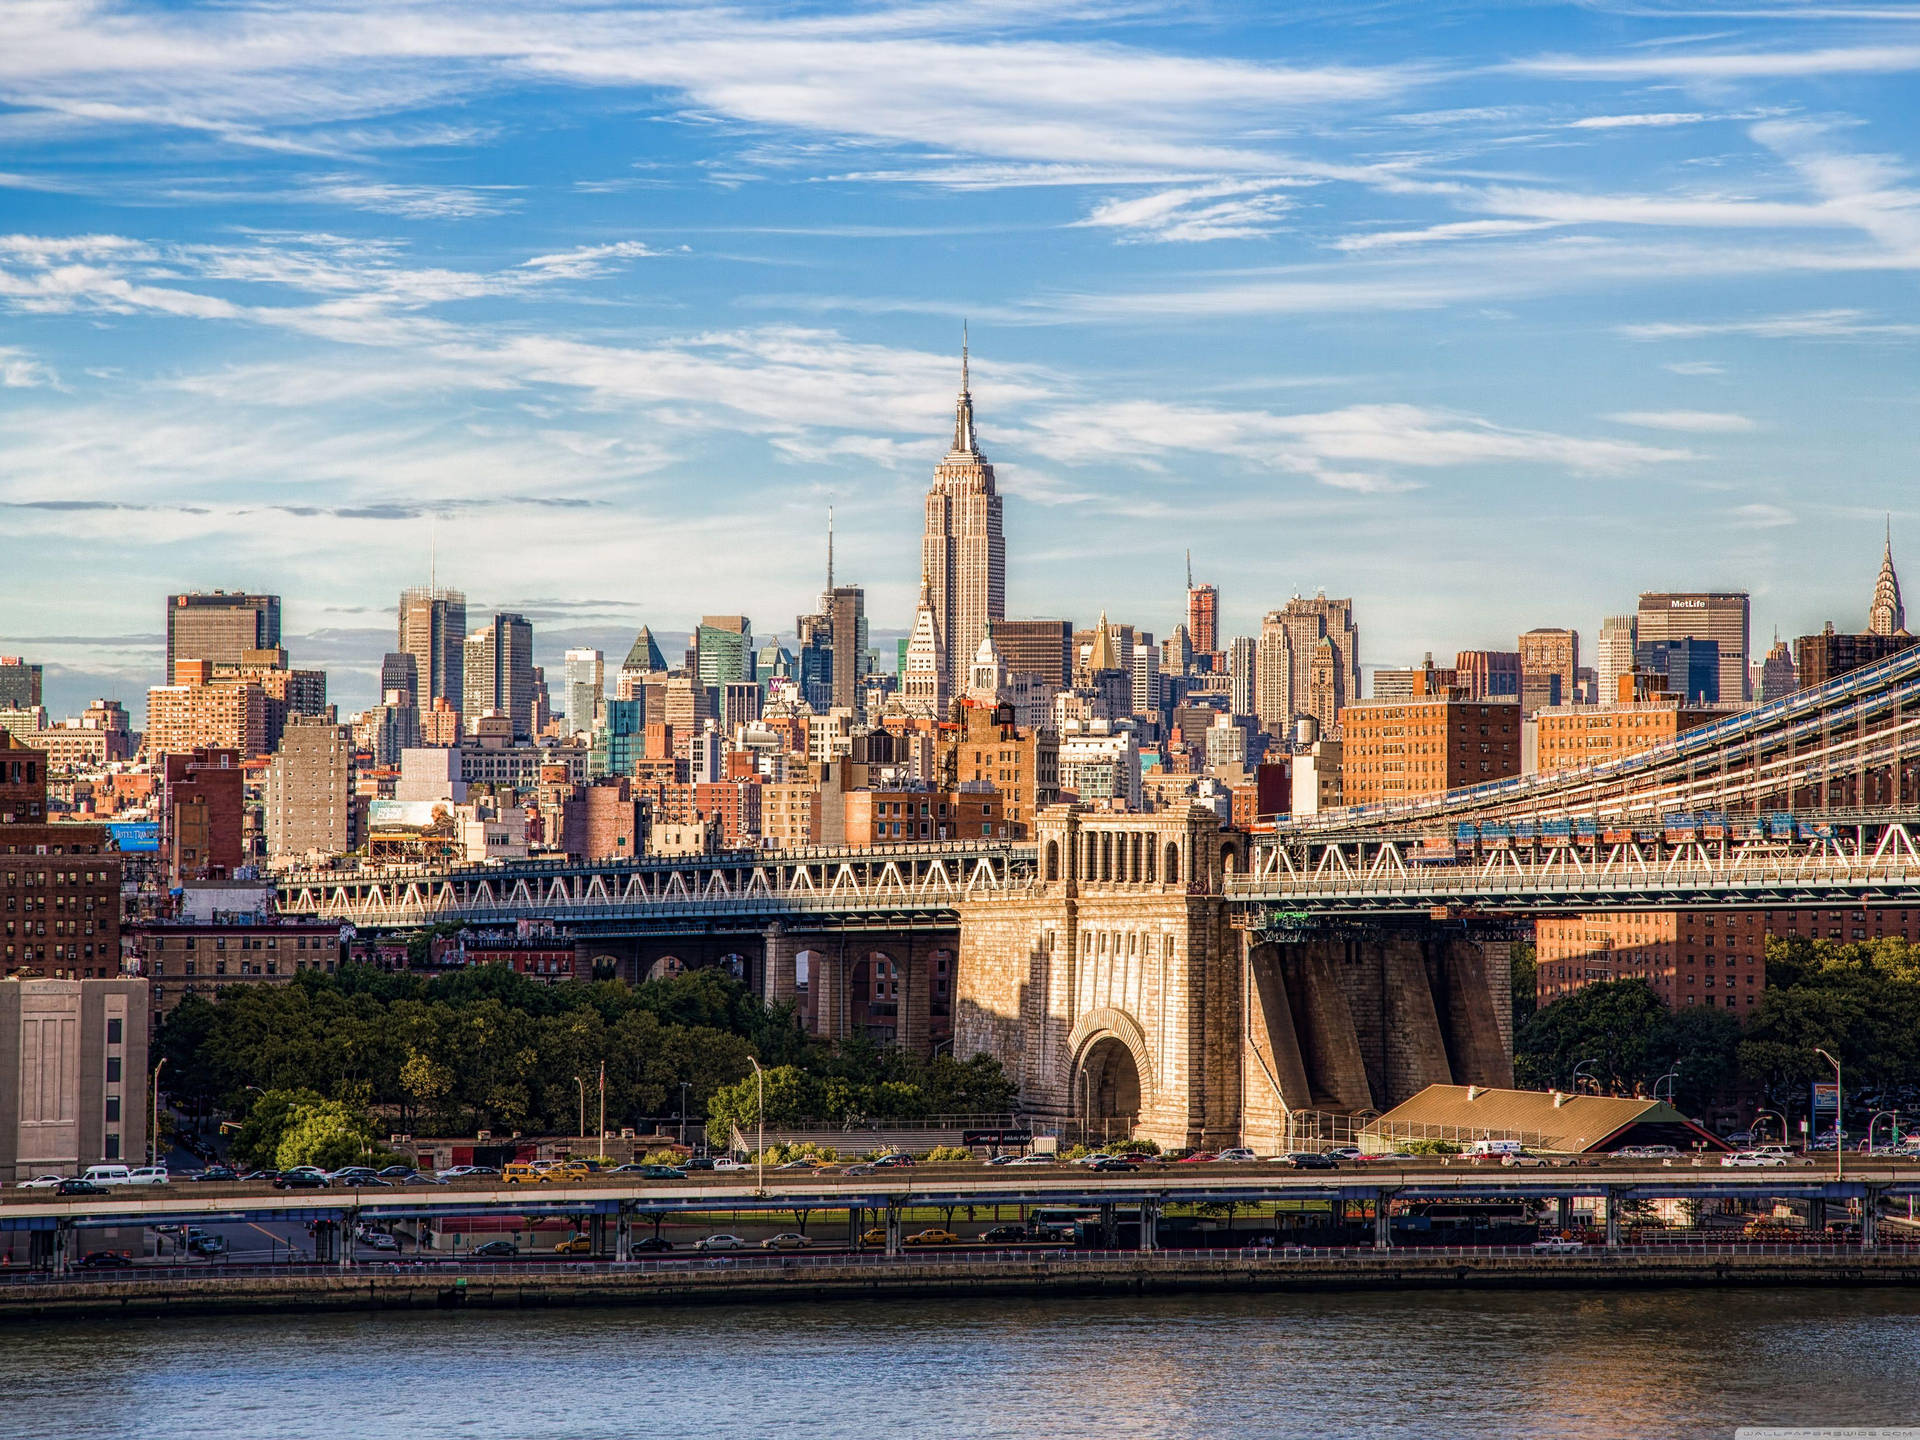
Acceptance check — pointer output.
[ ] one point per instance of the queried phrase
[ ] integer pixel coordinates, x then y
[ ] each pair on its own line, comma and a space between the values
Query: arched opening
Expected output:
1173, 863
604, 967
1106, 855
1151, 852
1053, 859
667, 967
735, 965
1107, 1090
874, 996
1229, 858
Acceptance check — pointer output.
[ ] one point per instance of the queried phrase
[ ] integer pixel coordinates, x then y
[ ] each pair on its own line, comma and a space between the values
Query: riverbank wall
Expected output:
755, 1279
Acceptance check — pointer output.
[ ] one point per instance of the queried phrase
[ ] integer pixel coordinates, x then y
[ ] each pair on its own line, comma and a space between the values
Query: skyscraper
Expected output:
1297, 676
1613, 655
1887, 616
845, 607
1243, 665
923, 674
963, 557
1722, 616
220, 628
499, 673
1203, 614
586, 688
724, 644
1035, 647
1549, 668
433, 627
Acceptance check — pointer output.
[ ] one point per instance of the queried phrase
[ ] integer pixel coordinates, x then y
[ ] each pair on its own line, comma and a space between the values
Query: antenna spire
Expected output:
964, 387
433, 550
829, 549
1189, 569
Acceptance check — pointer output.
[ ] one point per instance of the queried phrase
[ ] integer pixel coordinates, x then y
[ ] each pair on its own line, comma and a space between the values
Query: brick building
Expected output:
203, 815
202, 957
1396, 750
1829, 655
901, 817
59, 884
988, 748
1582, 734
184, 717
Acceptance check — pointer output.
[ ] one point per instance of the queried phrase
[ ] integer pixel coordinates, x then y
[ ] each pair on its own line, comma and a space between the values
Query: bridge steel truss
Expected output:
736, 889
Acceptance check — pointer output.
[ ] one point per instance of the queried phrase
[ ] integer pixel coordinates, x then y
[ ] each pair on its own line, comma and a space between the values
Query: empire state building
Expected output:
963, 557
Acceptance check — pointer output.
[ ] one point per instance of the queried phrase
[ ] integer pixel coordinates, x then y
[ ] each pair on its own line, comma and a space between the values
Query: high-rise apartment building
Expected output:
1400, 749
1301, 675
433, 629
1722, 616
203, 814
586, 688
963, 555
185, 717
1549, 668
310, 800
19, 684
498, 666
220, 628
1042, 648
1613, 653
845, 607
1203, 616
1243, 663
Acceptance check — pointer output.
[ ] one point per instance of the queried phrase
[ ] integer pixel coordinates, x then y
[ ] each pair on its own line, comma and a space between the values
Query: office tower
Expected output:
77, 1068
1694, 668
433, 629
19, 684
619, 739
1487, 674
1777, 673
1613, 656
1146, 676
1887, 616
1722, 616
542, 701
388, 729
644, 665
1296, 675
400, 671
499, 674
1203, 614
1176, 656
813, 660
586, 688
1243, 653
846, 612
723, 646
1549, 668
220, 628
963, 556
310, 801
1035, 647
923, 672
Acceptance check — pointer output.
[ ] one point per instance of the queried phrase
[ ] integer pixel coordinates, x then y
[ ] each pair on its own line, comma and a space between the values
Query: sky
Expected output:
1488, 315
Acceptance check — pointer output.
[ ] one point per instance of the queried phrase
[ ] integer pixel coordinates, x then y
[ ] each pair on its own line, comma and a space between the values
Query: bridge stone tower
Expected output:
1109, 988
1116, 991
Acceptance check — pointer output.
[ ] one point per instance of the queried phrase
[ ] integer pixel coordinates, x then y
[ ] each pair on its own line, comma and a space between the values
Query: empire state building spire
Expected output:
965, 441
963, 557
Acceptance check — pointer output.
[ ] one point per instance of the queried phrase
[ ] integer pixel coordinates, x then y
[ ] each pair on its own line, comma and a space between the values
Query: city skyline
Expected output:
1603, 297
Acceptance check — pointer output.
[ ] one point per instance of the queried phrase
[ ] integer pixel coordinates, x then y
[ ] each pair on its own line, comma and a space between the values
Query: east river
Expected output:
1576, 1364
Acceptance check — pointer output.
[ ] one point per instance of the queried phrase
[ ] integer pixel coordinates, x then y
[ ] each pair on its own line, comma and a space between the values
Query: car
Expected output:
785, 1241
457, 1172
363, 1182
1752, 1160
79, 1187
661, 1172
517, 1173
41, 1182
720, 1242
1238, 1152
347, 1172
1312, 1160
495, 1250
1555, 1245
727, 1163
565, 1171
892, 1162
108, 1175
261, 1175
1034, 1160
1349, 1153
302, 1177
396, 1172
1004, 1234
999, 1160
1199, 1157
875, 1236
931, 1237
697, 1162
148, 1175
375, 1239
861, 1169
216, 1174
1527, 1160
208, 1245
574, 1244
1113, 1163
103, 1260
650, 1244
1741, 1139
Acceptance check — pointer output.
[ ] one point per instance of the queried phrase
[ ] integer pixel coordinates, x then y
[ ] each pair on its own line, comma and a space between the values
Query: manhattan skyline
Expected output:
1490, 318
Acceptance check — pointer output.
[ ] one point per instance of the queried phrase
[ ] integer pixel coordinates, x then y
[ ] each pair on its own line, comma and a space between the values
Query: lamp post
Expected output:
1893, 1124
583, 1107
1668, 1080
1576, 1074
1777, 1115
153, 1136
760, 1123
1839, 1110
601, 1144
685, 1085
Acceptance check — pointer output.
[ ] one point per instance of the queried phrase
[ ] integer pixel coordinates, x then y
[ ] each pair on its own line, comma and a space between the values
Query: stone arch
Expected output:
1053, 859
1173, 862
1229, 857
736, 964
1152, 852
667, 967
1107, 1023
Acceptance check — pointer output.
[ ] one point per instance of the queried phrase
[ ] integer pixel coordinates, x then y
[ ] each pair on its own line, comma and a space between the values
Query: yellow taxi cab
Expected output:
932, 1237
565, 1170
875, 1236
518, 1172
574, 1244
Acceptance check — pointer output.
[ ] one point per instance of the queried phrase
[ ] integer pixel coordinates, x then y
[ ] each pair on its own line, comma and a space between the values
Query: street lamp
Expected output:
1576, 1074
685, 1085
600, 1144
1777, 1115
1668, 1080
1893, 1124
760, 1120
1839, 1111
583, 1108
153, 1138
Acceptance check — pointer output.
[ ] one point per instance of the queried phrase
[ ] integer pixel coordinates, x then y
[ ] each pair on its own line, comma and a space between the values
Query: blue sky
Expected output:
1488, 315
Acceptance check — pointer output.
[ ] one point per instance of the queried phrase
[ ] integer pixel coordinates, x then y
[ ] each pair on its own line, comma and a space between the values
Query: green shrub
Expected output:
948, 1154
1427, 1147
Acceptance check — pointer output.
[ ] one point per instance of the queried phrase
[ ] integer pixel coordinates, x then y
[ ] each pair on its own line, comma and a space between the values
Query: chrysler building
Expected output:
963, 558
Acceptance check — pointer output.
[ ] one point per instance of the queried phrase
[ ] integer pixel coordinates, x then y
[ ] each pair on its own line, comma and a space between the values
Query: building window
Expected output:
113, 1032
113, 1147
113, 1109
113, 1070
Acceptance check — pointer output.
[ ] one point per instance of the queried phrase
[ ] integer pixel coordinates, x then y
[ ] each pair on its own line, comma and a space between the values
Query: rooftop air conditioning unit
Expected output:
483, 1135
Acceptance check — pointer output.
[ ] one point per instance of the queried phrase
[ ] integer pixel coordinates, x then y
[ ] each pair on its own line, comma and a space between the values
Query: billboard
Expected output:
134, 836
420, 816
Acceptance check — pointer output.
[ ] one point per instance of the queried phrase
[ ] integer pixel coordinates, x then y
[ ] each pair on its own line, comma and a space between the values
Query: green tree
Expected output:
1521, 973
327, 1134
1616, 1023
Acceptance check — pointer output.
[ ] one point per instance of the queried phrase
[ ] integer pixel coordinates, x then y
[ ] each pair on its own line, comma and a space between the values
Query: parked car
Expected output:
495, 1250
41, 1182
1237, 1152
1312, 1160
108, 1174
79, 1187
1752, 1160
209, 1246
376, 1239
661, 1172
1004, 1233
720, 1242
216, 1174
1555, 1245
651, 1244
931, 1237
785, 1241
104, 1260
148, 1175
302, 1177
1113, 1163
574, 1244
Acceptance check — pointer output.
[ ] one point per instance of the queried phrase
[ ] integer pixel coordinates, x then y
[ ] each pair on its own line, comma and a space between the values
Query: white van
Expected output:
108, 1175
1493, 1149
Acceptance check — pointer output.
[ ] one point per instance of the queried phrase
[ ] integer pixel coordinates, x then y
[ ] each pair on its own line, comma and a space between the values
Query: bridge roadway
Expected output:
941, 1186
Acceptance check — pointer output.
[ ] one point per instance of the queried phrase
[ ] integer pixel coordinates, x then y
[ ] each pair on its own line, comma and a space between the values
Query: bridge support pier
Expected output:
1613, 1219
778, 982
856, 1225
1149, 1226
893, 1228
623, 1236
1870, 1218
1382, 1220
1563, 1213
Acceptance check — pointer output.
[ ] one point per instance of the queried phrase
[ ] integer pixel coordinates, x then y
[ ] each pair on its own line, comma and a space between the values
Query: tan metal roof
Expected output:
1544, 1119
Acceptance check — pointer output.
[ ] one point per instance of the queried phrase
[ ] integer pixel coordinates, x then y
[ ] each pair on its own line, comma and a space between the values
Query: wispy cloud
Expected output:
1700, 422
1723, 65
1804, 325
1662, 120
22, 371
1193, 213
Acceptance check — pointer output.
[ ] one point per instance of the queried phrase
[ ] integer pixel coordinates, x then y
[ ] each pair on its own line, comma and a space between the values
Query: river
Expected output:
1580, 1365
